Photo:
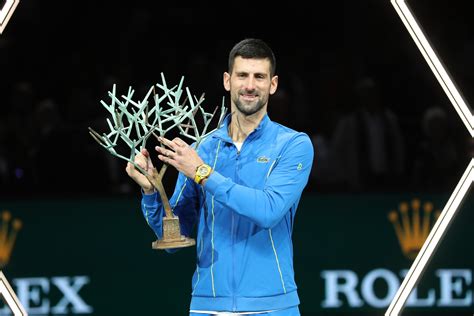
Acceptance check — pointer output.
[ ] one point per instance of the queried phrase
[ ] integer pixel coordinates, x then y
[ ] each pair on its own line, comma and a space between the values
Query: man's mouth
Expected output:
249, 97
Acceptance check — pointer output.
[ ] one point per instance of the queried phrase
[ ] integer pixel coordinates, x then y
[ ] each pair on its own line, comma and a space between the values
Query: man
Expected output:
242, 189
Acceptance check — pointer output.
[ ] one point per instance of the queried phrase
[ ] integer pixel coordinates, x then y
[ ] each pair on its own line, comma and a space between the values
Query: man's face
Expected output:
250, 84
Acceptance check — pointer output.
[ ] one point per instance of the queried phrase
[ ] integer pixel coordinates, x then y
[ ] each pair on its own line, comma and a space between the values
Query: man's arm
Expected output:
283, 188
184, 204
266, 207
152, 208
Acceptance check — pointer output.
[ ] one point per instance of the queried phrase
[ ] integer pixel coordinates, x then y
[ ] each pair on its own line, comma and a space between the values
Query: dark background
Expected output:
59, 59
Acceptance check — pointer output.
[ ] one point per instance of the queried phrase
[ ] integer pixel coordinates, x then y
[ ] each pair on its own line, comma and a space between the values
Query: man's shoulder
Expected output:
291, 141
288, 133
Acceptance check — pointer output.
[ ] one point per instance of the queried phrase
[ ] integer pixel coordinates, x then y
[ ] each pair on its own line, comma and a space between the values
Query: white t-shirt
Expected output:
238, 145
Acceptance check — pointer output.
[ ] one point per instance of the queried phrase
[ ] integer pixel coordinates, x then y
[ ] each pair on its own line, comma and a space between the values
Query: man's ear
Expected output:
274, 84
226, 80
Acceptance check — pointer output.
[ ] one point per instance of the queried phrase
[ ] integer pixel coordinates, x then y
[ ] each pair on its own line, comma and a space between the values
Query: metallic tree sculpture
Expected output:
134, 122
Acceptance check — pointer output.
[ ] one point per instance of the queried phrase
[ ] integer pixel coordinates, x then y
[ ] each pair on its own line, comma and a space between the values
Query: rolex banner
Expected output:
94, 257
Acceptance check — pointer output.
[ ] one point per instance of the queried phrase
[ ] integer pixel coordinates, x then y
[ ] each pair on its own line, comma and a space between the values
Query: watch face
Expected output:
202, 170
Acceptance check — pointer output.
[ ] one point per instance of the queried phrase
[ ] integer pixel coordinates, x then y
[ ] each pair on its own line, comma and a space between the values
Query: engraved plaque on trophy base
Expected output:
172, 237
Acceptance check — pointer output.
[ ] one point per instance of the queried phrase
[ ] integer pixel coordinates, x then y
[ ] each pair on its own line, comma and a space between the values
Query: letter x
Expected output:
6, 12
449, 211
70, 288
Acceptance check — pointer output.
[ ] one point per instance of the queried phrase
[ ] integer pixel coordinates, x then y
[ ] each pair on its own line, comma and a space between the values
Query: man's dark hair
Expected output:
252, 48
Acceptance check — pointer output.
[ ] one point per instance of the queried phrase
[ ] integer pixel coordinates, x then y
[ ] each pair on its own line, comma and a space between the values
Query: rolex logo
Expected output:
8, 231
412, 226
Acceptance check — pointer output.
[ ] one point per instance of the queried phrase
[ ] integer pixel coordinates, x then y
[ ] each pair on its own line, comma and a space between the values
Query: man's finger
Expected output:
128, 168
167, 143
167, 160
161, 150
180, 142
144, 152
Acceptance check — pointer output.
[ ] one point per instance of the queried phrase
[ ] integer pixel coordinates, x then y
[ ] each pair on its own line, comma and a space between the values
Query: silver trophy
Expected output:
133, 122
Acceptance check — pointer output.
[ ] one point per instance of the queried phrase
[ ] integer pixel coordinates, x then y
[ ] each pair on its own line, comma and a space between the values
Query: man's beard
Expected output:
249, 109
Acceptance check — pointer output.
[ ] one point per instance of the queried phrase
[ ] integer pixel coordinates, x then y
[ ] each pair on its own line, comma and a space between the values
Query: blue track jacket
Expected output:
244, 215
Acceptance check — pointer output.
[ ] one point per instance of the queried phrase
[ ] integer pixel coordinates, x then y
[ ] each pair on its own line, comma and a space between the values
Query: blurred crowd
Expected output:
378, 120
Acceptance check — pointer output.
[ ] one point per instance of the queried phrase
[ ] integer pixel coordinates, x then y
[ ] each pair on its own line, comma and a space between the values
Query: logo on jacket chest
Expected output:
263, 159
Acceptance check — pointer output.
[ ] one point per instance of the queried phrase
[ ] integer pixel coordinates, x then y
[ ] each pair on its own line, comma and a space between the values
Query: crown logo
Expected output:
8, 232
412, 228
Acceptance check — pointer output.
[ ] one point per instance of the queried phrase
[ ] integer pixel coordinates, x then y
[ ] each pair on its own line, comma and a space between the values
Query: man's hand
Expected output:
144, 161
179, 155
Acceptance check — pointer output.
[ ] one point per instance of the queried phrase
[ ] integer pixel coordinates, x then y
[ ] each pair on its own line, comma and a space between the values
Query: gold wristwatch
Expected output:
202, 172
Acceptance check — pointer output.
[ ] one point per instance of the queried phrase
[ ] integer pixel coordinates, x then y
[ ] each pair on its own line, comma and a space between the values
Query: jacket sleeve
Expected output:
285, 183
184, 204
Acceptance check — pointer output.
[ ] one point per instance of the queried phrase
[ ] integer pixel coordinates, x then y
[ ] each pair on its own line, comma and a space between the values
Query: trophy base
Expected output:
173, 243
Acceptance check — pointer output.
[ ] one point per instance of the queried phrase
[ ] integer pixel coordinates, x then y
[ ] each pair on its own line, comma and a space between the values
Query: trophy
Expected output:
134, 122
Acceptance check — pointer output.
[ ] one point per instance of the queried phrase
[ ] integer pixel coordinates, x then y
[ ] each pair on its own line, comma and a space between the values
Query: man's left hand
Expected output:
179, 155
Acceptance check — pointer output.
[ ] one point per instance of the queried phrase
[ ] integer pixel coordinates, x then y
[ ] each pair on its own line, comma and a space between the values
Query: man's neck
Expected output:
242, 125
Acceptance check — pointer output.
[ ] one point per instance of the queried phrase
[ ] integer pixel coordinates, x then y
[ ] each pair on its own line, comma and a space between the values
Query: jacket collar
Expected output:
223, 133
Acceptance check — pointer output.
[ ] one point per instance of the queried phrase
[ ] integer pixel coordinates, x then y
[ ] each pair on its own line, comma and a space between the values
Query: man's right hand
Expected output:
144, 161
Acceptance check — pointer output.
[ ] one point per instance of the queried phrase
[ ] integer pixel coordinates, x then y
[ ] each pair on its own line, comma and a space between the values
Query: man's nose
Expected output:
250, 83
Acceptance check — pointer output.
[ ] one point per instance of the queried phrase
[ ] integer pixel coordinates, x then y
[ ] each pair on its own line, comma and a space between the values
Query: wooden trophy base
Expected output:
172, 237
173, 243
